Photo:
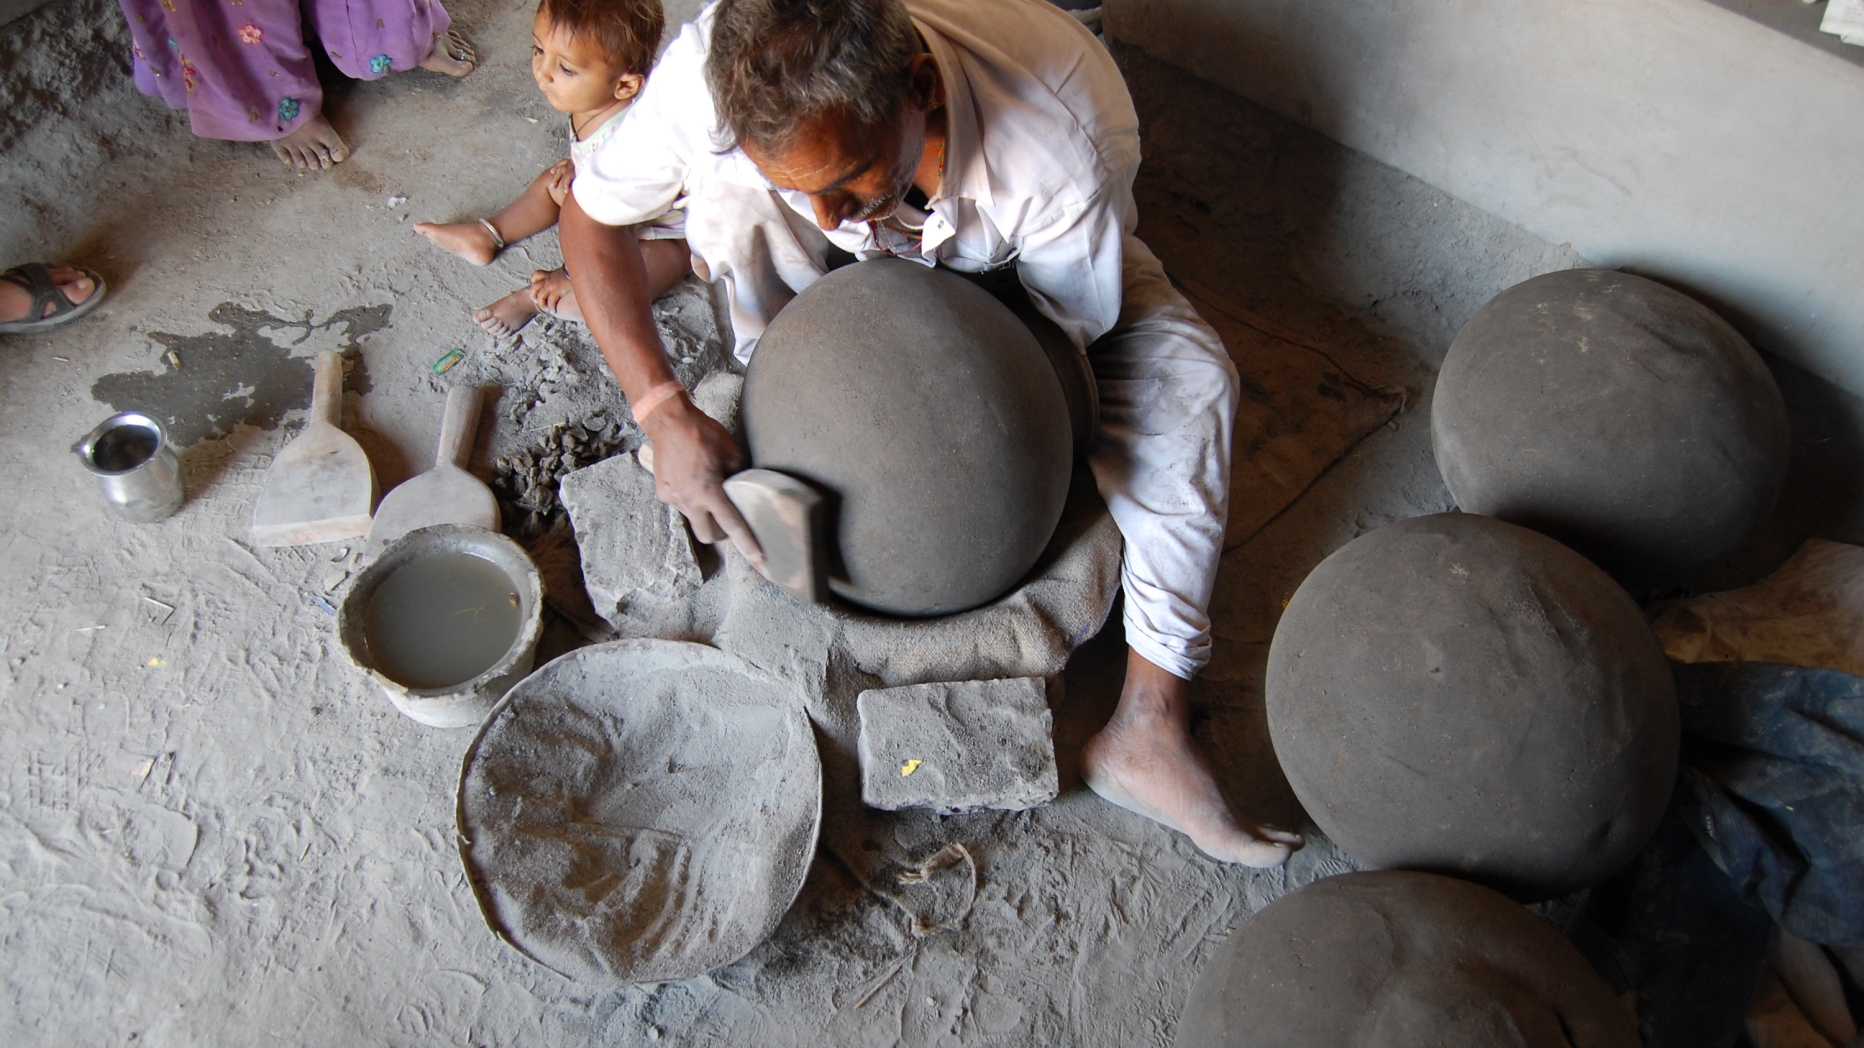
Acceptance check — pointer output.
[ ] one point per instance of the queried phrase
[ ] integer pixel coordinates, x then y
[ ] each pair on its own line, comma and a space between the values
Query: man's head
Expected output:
588, 54
828, 97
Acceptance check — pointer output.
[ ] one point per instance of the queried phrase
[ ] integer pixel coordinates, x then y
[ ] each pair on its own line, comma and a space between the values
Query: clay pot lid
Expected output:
640, 811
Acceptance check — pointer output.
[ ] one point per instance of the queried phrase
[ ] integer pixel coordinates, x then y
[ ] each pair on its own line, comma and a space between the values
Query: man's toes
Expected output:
77, 291
1262, 855
1292, 840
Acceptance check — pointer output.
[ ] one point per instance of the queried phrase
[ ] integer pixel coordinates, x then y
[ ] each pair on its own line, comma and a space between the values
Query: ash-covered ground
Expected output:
211, 832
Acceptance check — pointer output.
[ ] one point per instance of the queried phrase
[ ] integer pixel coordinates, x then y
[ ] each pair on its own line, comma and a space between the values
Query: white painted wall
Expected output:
1670, 137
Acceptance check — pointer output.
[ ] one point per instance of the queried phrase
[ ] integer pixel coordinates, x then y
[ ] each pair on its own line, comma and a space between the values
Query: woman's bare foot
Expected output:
315, 144
551, 292
469, 240
1144, 761
16, 301
507, 316
451, 55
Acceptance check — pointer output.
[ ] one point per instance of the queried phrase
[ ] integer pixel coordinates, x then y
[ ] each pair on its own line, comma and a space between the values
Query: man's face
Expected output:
855, 174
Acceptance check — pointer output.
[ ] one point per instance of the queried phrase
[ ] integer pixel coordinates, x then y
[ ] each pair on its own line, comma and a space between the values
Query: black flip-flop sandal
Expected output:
36, 277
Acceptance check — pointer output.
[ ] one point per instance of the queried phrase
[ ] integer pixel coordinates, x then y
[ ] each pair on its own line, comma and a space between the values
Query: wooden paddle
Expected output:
320, 486
446, 494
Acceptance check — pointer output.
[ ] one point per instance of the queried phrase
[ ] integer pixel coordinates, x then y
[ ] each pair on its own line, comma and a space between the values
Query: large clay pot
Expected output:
1456, 694
1400, 960
1617, 415
933, 420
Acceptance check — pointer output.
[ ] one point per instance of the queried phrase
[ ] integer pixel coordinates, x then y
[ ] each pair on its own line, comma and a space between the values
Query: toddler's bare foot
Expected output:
469, 240
507, 316
451, 55
551, 292
1144, 761
315, 144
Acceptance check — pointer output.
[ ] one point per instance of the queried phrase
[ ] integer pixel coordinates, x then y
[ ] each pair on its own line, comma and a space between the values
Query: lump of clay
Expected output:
640, 811
1457, 694
1617, 415
931, 418
1401, 960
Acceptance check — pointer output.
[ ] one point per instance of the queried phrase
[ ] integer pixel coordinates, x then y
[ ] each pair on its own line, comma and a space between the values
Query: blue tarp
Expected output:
1766, 824
1773, 764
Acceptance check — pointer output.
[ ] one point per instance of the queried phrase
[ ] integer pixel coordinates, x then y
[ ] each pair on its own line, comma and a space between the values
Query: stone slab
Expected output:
634, 547
958, 746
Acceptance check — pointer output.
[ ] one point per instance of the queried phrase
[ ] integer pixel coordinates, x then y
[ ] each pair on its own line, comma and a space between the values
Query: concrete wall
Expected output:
1670, 137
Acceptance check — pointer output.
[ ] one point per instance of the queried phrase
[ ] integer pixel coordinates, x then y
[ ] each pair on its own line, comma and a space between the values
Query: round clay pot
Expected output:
932, 419
1617, 415
1401, 960
1457, 694
461, 705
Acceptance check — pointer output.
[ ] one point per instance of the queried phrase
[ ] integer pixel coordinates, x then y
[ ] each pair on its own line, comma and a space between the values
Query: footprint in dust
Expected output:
250, 375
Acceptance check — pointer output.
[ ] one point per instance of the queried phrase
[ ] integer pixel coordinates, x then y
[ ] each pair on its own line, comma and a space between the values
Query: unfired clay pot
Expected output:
1400, 960
1457, 694
465, 704
932, 419
1617, 415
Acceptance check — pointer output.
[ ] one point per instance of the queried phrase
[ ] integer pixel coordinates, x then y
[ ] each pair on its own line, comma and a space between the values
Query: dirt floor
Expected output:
212, 832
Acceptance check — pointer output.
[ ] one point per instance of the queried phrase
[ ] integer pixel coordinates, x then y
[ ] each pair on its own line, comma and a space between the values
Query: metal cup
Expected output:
134, 464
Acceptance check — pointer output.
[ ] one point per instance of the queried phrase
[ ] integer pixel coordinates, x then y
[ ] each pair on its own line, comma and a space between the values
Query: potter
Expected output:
977, 138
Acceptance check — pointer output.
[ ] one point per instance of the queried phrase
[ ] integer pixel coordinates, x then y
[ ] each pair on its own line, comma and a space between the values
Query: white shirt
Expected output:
1042, 147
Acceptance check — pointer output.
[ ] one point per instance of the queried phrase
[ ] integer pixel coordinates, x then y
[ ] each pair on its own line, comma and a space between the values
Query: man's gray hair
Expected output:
776, 64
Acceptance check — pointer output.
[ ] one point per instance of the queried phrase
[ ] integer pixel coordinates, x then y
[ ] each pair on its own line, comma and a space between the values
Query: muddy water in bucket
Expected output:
441, 620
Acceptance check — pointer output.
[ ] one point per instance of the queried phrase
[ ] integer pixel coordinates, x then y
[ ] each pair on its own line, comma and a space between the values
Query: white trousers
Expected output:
1168, 390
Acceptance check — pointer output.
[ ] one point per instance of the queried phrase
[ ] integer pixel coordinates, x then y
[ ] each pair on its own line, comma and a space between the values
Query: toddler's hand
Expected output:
562, 173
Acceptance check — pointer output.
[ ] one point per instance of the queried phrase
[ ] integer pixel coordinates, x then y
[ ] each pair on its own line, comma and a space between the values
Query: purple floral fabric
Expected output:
242, 68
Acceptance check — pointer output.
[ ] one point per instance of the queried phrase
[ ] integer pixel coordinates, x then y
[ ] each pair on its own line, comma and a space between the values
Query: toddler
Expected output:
590, 59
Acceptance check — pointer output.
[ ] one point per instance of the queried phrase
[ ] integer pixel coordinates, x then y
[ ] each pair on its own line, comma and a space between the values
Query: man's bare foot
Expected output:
315, 144
451, 55
551, 292
469, 240
507, 316
1144, 761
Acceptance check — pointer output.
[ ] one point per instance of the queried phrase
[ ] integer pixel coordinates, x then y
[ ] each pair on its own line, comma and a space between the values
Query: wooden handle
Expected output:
327, 390
459, 426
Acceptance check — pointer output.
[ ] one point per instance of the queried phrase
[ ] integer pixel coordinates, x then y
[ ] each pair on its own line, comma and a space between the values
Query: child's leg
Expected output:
534, 211
667, 261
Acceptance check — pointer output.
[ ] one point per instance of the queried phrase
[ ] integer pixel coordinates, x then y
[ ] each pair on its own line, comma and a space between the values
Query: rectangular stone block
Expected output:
634, 547
958, 746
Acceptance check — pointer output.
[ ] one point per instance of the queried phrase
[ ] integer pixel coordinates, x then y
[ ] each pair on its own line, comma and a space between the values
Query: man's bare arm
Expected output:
692, 453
